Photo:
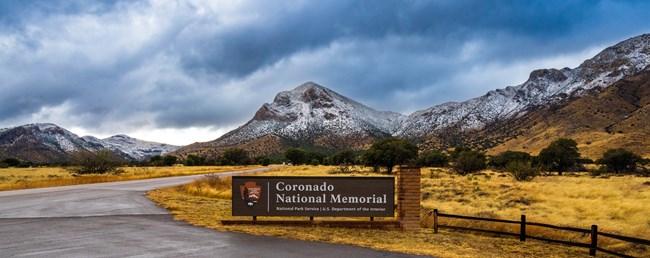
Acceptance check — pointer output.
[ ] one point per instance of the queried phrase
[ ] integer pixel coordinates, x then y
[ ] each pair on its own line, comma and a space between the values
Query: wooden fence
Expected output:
593, 245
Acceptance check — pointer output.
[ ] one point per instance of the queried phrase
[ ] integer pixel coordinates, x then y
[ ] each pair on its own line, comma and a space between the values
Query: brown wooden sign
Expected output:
313, 196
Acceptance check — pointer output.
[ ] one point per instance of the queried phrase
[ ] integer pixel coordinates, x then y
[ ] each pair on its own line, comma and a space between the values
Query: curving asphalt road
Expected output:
117, 220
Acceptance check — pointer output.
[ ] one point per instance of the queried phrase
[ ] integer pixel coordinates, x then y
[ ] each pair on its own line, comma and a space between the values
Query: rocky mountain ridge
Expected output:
310, 115
544, 87
315, 116
47, 143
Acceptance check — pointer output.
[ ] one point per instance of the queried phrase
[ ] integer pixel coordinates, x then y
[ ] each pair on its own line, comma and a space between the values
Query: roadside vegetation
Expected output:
37, 177
616, 203
557, 187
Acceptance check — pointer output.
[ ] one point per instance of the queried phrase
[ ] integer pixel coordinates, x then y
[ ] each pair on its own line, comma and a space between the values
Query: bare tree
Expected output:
100, 162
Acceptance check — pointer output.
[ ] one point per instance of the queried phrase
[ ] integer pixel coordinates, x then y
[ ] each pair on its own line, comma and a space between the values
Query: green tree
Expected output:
100, 162
296, 156
194, 160
12, 162
315, 157
560, 155
344, 157
457, 150
620, 160
391, 152
169, 160
235, 156
263, 160
503, 158
469, 161
156, 160
433, 158
371, 158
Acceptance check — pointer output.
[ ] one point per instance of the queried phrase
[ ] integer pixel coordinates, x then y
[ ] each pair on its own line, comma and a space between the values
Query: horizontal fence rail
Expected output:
593, 232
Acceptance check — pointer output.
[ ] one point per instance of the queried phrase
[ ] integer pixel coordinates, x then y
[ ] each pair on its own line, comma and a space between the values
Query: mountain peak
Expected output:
309, 85
47, 142
121, 136
313, 113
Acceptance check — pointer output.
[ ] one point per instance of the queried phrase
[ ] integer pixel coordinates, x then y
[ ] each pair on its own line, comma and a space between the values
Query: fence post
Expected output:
594, 240
435, 220
522, 229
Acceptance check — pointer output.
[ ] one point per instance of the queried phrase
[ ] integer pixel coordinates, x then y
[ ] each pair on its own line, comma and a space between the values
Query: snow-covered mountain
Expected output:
316, 116
46, 143
311, 111
138, 149
544, 87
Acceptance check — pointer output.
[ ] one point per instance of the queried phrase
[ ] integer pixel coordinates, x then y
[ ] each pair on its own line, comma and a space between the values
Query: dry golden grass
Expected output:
618, 205
24, 178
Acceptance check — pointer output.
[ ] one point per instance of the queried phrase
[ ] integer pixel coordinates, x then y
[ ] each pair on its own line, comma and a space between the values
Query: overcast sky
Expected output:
185, 71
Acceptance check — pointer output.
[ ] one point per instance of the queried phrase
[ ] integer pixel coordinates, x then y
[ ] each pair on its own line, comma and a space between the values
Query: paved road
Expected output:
117, 220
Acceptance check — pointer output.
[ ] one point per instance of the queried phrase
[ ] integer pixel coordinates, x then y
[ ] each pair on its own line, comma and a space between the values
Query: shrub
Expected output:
522, 171
100, 162
194, 160
235, 156
296, 156
344, 157
263, 160
315, 157
560, 155
12, 162
432, 158
502, 159
390, 152
469, 162
620, 160
4, 165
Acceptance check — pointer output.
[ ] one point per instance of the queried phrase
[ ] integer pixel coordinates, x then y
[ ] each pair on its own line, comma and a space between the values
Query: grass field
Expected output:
24, 178
618, 204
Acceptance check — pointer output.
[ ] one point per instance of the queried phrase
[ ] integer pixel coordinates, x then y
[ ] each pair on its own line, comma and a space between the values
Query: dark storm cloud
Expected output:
118, 65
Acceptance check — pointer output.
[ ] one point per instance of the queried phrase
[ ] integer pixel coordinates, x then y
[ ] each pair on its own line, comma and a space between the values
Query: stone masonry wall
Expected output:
408, 198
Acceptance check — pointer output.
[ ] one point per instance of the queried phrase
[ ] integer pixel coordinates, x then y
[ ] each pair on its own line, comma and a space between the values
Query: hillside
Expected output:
478, 122
311, 116
552, 103
49, 143
617, 117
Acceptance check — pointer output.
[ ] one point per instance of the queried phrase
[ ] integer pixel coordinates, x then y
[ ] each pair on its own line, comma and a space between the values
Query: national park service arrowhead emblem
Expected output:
250, 193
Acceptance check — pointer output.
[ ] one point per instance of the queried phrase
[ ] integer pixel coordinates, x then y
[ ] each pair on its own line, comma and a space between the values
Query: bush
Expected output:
12, 162
522, 171
296, 156
235, 156
4, 165
620, 160
433, 158
194, 160
315, 157
389, 153
504, 158
344, 157
263, 160
469, 162
100, 162
25, 164
560, 155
